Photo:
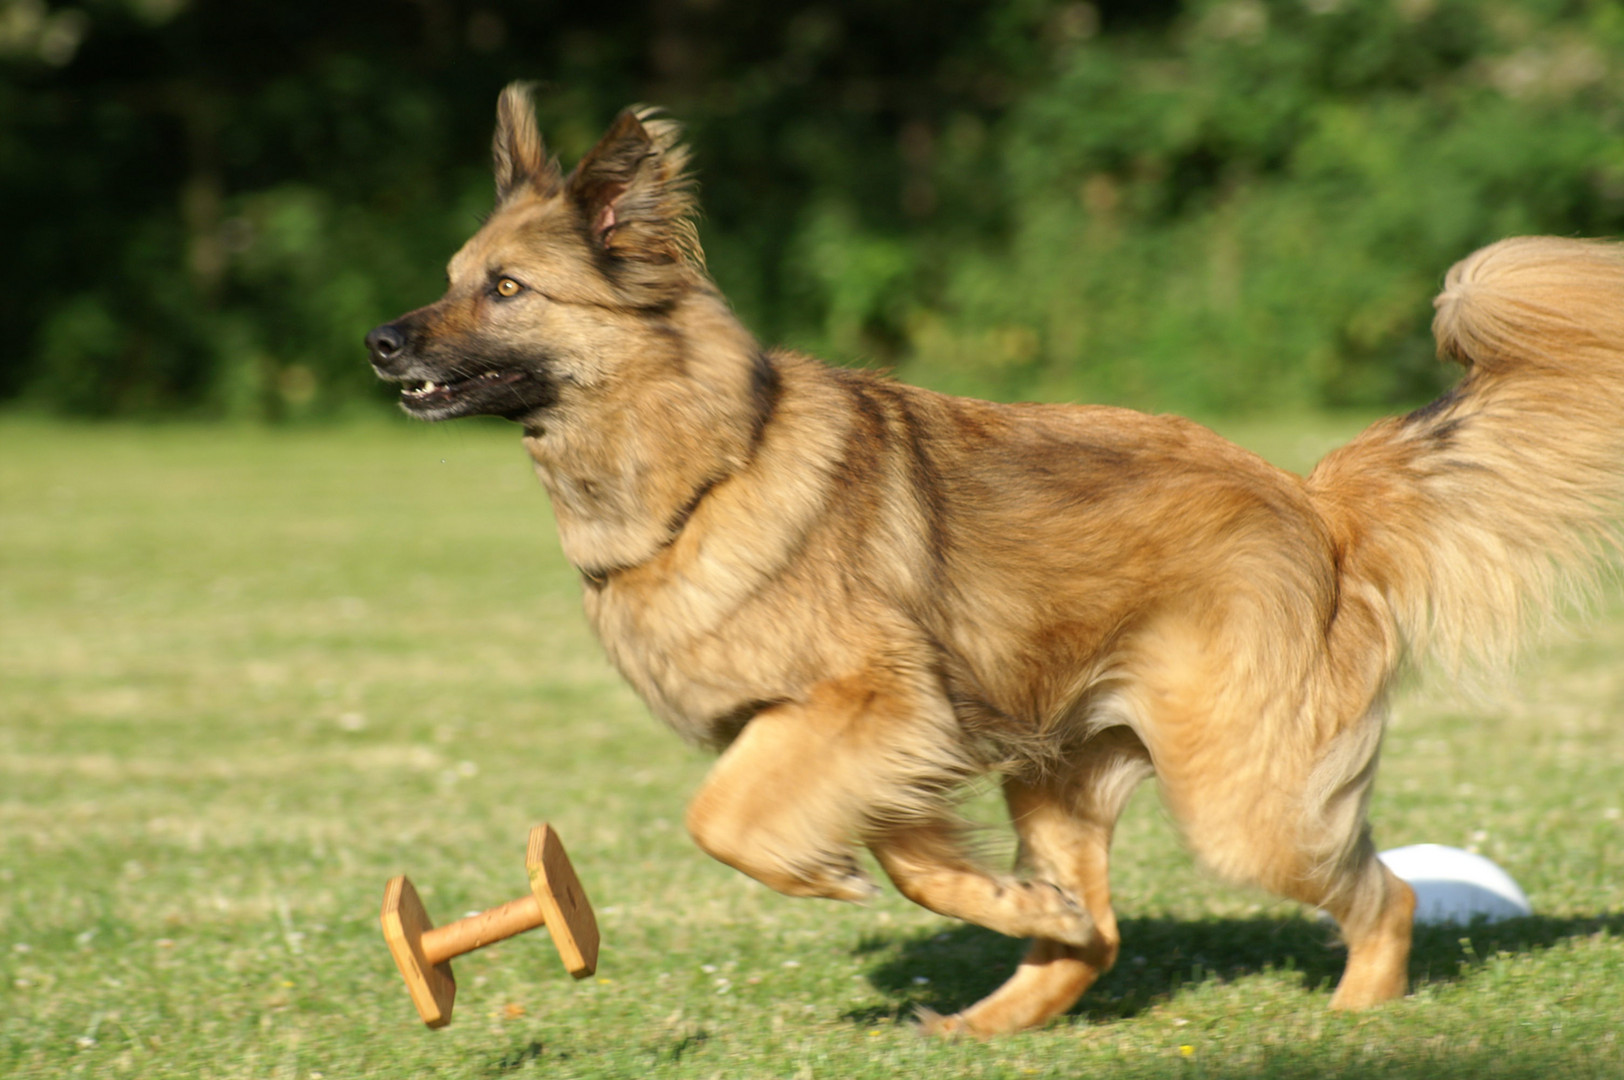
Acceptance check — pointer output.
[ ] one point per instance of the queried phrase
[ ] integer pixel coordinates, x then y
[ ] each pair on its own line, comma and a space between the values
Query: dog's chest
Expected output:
697, 659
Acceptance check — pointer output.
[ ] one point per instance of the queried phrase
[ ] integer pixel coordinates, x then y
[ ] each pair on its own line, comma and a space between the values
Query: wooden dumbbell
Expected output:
424, 952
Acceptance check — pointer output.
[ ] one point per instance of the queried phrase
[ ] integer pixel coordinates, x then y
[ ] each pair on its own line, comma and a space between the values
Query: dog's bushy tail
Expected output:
1469, 519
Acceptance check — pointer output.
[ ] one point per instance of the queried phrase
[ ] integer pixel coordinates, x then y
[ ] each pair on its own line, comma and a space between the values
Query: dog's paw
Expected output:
934, 1025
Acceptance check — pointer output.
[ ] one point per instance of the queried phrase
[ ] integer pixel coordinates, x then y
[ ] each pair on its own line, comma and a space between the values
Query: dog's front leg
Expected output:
773, 807
807, 781
929, 866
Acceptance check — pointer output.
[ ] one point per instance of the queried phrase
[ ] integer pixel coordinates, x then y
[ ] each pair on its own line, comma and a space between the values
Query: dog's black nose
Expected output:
385, 343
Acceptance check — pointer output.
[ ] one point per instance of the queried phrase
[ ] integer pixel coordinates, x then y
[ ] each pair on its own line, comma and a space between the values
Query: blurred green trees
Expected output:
1215, 205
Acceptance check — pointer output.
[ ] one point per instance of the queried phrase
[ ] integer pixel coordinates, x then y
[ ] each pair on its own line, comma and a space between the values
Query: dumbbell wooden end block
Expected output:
564, 907
404, 925
424, 952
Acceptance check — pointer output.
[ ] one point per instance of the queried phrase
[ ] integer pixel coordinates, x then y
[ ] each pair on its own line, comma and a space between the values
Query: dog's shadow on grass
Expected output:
950, 970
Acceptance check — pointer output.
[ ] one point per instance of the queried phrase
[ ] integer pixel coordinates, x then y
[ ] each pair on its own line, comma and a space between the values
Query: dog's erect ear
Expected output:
637, 201
521, 159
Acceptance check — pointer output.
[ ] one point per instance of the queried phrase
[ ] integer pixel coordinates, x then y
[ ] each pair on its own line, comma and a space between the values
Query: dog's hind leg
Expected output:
1376, 911
1292, 819
1286, 844
1065, 825
1266, 746
1334, 867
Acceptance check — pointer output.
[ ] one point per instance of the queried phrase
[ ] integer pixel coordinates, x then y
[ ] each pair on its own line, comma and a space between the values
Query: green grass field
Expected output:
247, 676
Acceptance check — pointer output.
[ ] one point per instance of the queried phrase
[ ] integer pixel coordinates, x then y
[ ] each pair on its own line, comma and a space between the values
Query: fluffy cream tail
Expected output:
1471, 517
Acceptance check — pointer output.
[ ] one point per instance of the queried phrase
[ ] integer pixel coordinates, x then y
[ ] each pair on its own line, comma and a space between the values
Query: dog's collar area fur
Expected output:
598, 577
765, 385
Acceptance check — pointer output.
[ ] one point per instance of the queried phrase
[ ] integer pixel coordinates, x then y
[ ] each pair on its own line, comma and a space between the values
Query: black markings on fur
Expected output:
765, 386
1444, 434
906, 436
722, 730
867, 436
597, 578
1441, 422
928, 487
1432, 410
679, 520
860, 388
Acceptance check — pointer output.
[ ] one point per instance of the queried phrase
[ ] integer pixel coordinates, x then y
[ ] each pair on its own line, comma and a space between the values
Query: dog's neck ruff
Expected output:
598, 577
765, 384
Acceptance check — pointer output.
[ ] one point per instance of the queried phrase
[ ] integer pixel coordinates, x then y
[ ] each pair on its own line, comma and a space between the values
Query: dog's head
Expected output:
558, 277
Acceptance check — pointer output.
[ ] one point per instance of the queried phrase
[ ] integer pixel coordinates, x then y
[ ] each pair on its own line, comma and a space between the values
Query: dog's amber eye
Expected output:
508, 287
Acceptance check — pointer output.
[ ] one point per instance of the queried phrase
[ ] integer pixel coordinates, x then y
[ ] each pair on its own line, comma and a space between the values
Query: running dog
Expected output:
862, 594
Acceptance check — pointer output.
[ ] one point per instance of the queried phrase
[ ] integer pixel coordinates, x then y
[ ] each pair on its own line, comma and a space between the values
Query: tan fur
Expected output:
862, 594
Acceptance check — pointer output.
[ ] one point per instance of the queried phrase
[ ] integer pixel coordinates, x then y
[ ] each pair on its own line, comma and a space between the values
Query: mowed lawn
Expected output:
246, 676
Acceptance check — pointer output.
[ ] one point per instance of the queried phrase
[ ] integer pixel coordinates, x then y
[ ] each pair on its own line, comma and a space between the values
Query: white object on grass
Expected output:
1455, 886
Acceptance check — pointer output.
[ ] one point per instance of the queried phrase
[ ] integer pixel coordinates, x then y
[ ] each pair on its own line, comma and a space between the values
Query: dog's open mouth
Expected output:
423, 392
491, 393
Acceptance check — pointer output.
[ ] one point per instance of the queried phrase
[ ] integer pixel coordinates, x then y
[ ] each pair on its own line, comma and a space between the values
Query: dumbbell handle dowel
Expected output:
423, 952
476, 931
